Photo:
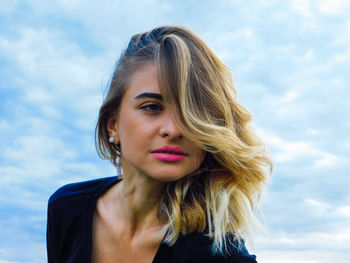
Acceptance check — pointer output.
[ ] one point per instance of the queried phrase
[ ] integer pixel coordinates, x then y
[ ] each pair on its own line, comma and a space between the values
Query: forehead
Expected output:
144, 79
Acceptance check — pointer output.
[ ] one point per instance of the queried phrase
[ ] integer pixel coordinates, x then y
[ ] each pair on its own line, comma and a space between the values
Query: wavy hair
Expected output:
220, 197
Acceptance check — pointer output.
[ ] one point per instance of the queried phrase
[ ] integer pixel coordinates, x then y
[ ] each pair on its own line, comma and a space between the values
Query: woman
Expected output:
191, 169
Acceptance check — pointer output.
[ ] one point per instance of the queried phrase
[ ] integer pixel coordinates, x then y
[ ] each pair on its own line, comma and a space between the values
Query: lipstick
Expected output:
169, 154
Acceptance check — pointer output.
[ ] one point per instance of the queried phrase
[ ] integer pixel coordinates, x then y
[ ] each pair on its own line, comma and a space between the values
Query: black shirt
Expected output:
69, 230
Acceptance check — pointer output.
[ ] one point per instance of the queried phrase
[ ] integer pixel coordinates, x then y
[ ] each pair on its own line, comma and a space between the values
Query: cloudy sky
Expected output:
290, 61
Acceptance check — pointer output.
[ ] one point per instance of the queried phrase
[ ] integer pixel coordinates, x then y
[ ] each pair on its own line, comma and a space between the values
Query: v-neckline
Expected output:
90, 210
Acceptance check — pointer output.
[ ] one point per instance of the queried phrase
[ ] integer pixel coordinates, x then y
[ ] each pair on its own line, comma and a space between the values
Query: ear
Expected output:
113, 129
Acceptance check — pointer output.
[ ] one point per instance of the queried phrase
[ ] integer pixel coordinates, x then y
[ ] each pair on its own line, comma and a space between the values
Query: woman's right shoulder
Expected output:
81, 189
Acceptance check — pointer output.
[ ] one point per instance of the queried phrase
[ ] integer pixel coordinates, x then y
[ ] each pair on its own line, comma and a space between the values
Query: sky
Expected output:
290, 61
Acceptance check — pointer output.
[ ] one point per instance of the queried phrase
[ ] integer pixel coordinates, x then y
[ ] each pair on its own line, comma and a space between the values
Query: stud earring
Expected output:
111, 139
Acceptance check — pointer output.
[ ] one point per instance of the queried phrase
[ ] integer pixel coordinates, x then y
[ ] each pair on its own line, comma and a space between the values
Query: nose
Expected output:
169, 128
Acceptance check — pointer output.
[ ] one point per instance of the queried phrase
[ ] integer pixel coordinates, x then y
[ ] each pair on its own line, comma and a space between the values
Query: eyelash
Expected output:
150, 107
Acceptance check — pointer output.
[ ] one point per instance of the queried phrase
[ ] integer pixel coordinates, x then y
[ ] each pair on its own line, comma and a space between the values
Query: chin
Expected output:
168, 178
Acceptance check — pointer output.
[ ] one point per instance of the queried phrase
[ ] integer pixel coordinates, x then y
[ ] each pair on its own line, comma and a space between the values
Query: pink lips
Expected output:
169, 154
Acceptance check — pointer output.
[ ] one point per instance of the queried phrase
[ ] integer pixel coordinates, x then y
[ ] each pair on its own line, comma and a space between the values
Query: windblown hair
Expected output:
220, 197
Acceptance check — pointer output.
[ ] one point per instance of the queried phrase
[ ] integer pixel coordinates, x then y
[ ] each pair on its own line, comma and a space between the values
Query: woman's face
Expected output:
150, 142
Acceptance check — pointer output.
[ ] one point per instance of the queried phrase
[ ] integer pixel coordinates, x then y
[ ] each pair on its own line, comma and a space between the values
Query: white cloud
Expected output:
344, 210
45, 56
332, 7
24, 249
334, 237
317, 204
302, 7
55, 76
300, 256
312, 132
284, 151
326, 160
289, 97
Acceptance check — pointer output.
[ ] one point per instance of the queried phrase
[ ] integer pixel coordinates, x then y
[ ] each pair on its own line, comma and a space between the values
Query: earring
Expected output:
111, 139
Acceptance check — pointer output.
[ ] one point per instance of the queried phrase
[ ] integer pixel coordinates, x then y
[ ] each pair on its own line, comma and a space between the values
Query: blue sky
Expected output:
290, 61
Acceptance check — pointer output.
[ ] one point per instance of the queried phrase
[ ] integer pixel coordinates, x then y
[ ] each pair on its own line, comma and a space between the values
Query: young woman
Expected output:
190, 168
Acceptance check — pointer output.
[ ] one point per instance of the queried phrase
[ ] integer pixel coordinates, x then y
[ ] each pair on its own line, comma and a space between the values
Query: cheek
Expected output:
126, 132
135, 136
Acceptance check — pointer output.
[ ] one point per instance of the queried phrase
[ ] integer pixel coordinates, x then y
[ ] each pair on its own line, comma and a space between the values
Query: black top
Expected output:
69, 230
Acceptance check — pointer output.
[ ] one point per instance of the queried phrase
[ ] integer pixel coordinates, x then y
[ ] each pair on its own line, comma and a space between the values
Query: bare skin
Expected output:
127, 231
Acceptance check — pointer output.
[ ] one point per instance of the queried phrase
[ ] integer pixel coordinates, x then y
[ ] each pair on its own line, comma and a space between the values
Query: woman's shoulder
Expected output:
69, 219
81, 189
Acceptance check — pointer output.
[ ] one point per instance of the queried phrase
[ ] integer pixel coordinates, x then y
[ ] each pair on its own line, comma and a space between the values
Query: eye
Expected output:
152, 107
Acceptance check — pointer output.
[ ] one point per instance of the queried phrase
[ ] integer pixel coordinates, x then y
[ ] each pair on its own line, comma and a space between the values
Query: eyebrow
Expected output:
149, 95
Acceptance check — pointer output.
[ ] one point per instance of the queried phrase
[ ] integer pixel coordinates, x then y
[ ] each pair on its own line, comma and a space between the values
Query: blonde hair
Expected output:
219, 198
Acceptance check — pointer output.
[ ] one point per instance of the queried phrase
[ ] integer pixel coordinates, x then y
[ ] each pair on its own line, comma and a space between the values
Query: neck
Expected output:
138, 199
